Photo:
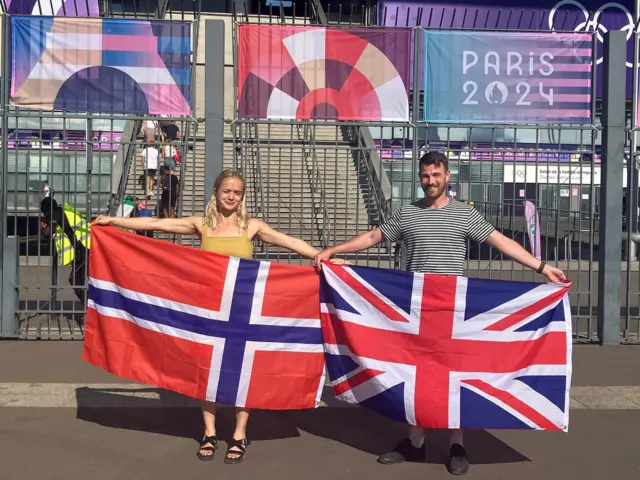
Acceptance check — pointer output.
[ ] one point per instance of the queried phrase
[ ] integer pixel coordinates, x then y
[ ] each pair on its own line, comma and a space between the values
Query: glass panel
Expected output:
548, 200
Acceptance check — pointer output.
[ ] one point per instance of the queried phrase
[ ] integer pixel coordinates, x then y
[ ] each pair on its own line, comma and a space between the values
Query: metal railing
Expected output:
318, 194
374, 180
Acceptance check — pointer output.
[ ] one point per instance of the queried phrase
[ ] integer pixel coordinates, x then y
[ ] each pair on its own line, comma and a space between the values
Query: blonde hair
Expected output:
211, 214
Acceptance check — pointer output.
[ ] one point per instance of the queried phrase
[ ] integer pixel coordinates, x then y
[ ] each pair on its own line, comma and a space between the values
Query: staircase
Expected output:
191, 201
302, 180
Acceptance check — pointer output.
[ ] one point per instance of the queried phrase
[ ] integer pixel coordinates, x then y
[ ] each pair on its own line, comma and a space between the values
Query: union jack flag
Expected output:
448, 352
239, 332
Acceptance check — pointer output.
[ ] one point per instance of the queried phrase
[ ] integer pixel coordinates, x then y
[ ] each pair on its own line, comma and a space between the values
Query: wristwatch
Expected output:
541, 267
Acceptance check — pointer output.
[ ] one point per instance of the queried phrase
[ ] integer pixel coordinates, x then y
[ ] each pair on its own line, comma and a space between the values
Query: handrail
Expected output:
261, 209
127, 152
377, 179
319, 211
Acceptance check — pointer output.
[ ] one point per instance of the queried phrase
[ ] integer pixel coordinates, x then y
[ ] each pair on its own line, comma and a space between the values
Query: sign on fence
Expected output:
298, 72
501, 77
101, 65
551, 174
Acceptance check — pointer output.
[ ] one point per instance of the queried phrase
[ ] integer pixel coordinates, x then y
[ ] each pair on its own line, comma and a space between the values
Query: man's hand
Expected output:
323, 256
340, 261
554, 275
103, 220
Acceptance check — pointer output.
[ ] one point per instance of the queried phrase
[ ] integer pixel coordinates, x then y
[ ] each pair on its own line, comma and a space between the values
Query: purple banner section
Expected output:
584, 16
533, 228
60, 8
67, 141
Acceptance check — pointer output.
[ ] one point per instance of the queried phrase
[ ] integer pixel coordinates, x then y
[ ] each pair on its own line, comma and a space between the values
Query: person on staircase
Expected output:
170, 193
149, 162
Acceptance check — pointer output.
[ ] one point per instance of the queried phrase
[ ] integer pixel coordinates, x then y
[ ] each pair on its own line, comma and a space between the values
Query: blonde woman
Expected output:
227, 230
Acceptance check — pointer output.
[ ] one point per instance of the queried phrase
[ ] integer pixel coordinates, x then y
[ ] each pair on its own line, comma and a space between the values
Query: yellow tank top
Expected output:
240, 247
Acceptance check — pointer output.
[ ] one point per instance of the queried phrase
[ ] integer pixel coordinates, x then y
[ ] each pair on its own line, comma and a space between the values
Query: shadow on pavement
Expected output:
367, 431
364, 430
172, 414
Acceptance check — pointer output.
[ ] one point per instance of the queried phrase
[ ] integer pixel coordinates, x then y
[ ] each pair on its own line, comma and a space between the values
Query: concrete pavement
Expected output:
143, 443
63, 419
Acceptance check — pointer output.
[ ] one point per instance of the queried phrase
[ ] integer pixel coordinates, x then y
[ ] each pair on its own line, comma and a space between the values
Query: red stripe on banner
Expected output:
566, 67
291, 292
515, 403
555, 113
153, 267
129, 351
369, 296
356, 380
285, 380
566, 82
565, 52
520, 315
561, 97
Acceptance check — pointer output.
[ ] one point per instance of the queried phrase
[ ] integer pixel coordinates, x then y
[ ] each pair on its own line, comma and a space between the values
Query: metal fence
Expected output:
325, 182
91, 162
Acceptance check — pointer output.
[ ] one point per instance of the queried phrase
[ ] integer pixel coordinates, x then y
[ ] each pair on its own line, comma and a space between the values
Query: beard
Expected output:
436, 192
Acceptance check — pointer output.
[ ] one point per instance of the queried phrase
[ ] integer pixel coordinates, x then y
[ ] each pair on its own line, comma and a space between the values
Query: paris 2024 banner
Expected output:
505, 77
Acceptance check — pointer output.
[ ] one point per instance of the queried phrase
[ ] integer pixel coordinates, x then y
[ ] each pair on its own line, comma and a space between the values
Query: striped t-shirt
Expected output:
435, 239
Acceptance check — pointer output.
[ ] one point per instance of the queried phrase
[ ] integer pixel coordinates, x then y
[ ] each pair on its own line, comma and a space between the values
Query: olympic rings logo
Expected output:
590, 24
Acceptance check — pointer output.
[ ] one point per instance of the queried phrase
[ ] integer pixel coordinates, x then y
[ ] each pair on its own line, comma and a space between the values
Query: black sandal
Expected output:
213, 441
241, 445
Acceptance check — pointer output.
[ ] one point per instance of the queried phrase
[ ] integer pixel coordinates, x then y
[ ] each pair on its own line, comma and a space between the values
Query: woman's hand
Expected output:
103, 220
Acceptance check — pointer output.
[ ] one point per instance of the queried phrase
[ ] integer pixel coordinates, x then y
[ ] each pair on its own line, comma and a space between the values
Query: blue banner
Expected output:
507, 77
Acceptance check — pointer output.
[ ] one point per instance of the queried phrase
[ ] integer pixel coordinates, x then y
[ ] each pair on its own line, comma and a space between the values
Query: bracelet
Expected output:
541, 267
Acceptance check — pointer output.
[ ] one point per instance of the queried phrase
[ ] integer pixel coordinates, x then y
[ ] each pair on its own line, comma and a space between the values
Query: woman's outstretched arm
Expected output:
182, 226
268, 235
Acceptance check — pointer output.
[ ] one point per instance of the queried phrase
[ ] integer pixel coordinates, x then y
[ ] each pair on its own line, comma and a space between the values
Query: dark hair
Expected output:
434, 158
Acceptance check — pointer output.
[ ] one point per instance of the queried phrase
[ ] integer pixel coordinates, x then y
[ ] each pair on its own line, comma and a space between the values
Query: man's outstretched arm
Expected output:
356, 244
518, 253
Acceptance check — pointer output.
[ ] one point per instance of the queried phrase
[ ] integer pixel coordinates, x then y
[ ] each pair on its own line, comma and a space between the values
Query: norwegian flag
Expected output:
448, 352
239, 332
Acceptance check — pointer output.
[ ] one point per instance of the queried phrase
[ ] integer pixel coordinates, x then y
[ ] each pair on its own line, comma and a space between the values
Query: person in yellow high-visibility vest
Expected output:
71, 235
